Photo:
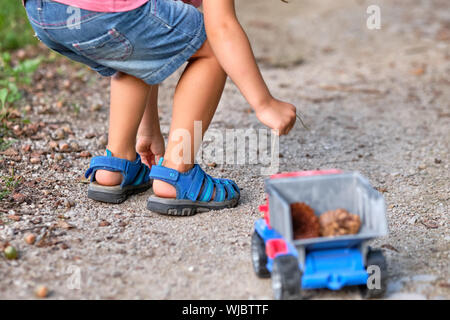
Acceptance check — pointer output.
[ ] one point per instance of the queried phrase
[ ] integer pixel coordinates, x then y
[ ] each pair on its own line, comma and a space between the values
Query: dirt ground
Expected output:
376, 101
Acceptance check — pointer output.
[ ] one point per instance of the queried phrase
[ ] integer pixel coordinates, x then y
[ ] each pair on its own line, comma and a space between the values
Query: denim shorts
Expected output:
150, 42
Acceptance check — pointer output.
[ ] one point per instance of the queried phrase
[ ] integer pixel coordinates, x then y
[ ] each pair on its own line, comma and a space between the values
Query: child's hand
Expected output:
277, 115
150, 148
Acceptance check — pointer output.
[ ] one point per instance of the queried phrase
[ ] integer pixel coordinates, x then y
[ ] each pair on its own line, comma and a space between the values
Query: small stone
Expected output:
74, 146
30, 238
19, 197
35, 160
64, 147
60, 104
212, 164
59, 134
59, 157
103, 140
66, 84
85, 154
437, 161
90, 135
69, 203
412, 220
418, 71
53, 145
21, 54
104, 223
67, 130
36, 220
50, 74
422, 166
14, 217
41, 291
26, 148
10, 253
96, 107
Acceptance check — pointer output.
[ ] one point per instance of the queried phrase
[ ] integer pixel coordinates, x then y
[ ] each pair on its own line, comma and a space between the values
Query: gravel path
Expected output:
376, 101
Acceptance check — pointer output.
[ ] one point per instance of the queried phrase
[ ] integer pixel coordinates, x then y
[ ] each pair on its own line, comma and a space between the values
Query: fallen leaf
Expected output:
64, 225
19, 197
14, 217
10, 152
389, 247
430, 224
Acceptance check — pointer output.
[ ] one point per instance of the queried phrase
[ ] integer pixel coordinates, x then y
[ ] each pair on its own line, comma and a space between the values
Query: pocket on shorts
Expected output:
111, 46
177, 15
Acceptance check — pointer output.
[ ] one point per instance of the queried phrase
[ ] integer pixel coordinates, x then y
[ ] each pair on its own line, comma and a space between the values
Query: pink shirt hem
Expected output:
104, 5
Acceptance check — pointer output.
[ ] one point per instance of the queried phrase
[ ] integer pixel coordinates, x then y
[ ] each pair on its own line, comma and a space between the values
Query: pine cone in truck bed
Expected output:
305, 223
338, 222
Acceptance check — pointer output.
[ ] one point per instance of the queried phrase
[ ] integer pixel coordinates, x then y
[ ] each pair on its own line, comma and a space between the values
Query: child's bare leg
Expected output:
196, 98
128, 103
150, 142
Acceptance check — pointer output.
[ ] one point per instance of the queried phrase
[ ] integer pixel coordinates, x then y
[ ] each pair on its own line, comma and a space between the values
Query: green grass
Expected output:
16, 31
8, 184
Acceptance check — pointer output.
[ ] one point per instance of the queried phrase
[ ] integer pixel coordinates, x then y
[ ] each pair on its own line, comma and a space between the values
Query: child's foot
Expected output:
108, 178
187, 193
113, 179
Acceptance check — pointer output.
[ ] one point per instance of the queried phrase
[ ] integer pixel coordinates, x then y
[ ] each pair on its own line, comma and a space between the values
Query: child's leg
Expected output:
128, 102
196, 98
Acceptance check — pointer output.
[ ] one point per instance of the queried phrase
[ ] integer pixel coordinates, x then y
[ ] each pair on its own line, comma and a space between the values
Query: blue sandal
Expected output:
135, 178
195, 190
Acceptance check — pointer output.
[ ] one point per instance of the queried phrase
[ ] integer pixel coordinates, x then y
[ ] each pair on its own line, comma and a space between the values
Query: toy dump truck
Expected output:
321, 262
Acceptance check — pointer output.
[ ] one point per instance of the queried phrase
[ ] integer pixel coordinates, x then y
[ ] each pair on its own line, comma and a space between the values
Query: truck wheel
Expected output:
375, 258
286, 278
259, 257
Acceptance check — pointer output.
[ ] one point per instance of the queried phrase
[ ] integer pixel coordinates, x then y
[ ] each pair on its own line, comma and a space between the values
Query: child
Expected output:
140, 43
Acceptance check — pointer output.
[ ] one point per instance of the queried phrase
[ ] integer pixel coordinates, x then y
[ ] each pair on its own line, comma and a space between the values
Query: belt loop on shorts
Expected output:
39, 5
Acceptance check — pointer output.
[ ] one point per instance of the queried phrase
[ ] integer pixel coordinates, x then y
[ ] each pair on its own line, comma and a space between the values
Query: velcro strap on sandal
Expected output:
229, 188
129, 169
220, 191
108, 163
163, 173
196, 184
208, 189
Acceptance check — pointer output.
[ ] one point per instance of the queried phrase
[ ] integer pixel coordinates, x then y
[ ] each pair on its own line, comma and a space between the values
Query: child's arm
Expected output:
232, 48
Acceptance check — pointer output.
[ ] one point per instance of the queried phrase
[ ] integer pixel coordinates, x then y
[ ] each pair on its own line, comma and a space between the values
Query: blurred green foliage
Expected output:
11, 77
15, 30
15, 33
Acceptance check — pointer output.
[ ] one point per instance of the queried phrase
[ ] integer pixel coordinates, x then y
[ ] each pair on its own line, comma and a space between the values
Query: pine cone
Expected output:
338, 222
305, 223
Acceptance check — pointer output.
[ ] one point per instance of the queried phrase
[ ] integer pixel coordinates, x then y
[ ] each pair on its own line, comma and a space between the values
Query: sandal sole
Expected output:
184, 208
115, 194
